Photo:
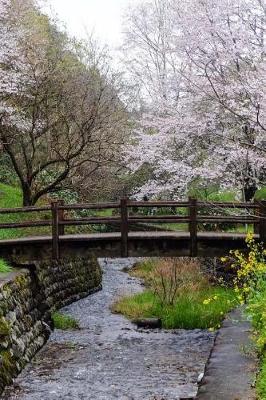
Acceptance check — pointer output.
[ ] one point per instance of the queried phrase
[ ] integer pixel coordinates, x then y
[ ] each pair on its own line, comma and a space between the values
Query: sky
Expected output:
103, 17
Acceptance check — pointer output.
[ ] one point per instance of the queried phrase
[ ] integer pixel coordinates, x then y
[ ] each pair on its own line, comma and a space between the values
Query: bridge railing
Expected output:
126, 213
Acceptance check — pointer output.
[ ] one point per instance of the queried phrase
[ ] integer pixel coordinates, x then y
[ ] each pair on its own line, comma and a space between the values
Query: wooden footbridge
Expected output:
136, 228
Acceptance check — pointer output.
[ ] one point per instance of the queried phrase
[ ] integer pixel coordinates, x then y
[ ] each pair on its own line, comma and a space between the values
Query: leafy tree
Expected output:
60, 110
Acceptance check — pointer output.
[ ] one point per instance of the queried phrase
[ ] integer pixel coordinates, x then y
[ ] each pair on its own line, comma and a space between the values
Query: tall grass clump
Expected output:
179, 293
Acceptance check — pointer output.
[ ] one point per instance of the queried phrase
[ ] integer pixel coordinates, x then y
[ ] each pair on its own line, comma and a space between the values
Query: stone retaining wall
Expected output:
27, 298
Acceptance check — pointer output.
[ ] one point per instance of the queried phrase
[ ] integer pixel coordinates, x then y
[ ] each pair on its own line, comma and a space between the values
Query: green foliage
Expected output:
261, 194
69, 196
4, 267
196, 304
250, 285
250, 270
64, 322
261, 380
212, 193
222, 196
7, 173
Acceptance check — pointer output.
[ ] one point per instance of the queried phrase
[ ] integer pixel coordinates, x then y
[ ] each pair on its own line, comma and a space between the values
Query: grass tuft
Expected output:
4, 267
197, 305
64, 322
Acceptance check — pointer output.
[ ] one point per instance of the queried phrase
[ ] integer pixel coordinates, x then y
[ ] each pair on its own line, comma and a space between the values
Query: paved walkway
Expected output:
232, 367
109, 359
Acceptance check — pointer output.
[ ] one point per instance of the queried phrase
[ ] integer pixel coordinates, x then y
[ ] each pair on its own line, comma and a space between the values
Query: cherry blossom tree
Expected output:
207, 124
60, 110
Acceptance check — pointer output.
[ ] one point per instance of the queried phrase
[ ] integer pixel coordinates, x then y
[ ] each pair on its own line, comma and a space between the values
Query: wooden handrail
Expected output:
90, 221
125, 216
162, 204
165, 218
92, 206
24, 210
26, 224
229, 204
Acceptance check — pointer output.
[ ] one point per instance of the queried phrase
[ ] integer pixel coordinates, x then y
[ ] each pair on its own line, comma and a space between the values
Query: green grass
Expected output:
64, 322
188, 312
104, 213
4, 267
11, 197
190, 309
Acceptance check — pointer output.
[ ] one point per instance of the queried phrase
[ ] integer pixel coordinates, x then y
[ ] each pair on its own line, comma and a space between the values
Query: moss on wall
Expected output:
26, 303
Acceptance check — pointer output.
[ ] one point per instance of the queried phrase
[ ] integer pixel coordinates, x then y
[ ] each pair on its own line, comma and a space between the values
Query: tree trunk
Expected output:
27, 196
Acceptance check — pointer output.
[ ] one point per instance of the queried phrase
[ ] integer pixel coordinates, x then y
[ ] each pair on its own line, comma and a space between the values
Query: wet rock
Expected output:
148, 323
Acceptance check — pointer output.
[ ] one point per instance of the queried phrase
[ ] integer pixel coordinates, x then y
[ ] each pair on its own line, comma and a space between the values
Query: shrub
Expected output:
170, 278
250, 268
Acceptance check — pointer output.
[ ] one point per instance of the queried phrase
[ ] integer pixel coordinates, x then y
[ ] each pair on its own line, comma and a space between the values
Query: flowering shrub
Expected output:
250, 286
250, 270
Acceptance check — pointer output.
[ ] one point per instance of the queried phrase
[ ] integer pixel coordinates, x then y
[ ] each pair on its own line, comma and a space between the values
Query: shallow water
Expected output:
109, 358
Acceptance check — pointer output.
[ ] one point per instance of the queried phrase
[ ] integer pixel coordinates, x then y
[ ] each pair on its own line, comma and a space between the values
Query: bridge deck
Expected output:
117, 236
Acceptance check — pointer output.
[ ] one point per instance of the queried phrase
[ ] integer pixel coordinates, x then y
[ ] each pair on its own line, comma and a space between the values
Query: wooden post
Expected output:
256, 227
61, 217
262, 223
55, 230
124, 227
193, 226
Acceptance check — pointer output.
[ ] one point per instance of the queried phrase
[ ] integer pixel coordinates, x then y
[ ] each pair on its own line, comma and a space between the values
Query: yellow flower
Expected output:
206, 301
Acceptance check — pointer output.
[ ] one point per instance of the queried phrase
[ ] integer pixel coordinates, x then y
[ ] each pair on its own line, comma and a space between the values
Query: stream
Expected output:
109, 358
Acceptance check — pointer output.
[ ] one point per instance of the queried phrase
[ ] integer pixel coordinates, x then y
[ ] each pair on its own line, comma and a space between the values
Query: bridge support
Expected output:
124, 227
193, 227
262, 222
55, 230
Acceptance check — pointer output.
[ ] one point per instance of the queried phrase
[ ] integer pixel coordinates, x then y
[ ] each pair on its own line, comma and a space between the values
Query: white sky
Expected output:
103, 17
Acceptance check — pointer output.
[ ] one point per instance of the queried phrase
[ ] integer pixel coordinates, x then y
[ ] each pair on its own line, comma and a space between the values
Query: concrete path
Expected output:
232, 367
109, 359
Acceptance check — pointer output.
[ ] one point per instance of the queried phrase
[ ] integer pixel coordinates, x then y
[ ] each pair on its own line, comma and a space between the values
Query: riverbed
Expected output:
109, 358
